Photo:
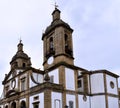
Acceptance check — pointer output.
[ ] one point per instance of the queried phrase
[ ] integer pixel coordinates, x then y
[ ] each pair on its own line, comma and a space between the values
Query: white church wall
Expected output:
37, 77
70, 98
56, 100
70, 79
113, 102
98, 102
40, 100
97, 83
55, 75
83, 101
111, 81
32, 84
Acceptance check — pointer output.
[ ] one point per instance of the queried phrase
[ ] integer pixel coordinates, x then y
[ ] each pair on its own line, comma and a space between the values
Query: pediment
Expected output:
11, 75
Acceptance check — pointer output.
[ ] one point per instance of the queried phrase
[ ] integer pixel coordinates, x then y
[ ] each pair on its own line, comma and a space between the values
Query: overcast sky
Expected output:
96, 36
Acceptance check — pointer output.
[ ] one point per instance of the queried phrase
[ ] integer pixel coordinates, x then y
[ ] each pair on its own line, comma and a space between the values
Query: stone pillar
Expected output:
27, 101
64, 100
76, 96
47, 98
17, 104
62, 76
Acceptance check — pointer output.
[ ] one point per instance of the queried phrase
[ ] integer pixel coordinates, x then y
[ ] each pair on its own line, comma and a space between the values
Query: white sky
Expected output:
96, 36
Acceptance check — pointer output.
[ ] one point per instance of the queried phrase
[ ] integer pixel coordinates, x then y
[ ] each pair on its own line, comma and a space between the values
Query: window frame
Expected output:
71, 104
55, 102
36, 103
23, 84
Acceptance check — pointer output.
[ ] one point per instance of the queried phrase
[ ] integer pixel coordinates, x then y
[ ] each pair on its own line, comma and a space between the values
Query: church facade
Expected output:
60, 84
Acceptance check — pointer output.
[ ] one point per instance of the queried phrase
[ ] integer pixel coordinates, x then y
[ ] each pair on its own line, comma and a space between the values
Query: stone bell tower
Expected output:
57, 39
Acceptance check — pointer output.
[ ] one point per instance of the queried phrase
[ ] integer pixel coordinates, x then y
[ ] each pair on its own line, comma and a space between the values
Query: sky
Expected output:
96, 36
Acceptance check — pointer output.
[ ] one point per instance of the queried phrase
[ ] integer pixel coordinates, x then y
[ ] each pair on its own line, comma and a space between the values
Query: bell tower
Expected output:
57, 42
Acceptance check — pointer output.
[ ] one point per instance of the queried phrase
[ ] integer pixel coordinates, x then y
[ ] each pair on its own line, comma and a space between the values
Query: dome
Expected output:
57, 23
20, 55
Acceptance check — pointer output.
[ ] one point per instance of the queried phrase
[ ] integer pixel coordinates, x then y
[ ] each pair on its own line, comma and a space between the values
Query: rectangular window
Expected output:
36, 105
57, 103
71, 104
23, 85
52, 79
79, 83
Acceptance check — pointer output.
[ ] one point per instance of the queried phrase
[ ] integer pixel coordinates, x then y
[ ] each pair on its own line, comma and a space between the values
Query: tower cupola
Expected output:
20, 59
56, 14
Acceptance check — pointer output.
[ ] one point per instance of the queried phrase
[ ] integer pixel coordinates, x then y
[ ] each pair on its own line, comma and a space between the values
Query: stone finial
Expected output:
47, 77
20, 46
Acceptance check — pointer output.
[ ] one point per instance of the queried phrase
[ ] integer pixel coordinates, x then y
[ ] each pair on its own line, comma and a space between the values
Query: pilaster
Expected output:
62, 76
47, 98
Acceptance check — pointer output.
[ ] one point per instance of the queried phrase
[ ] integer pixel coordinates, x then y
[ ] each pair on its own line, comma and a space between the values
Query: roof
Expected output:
20, 55
57, 22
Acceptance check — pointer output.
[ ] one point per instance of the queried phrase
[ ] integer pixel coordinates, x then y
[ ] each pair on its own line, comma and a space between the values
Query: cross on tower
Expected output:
56, 6
20, 40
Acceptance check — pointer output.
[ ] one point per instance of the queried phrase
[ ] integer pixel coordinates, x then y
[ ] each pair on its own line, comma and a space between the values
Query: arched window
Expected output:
51, 43
23, 104
13, 105
68, 49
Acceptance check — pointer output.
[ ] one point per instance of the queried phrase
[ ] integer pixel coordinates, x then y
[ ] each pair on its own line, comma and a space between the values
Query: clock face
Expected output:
13, 83
50, 60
